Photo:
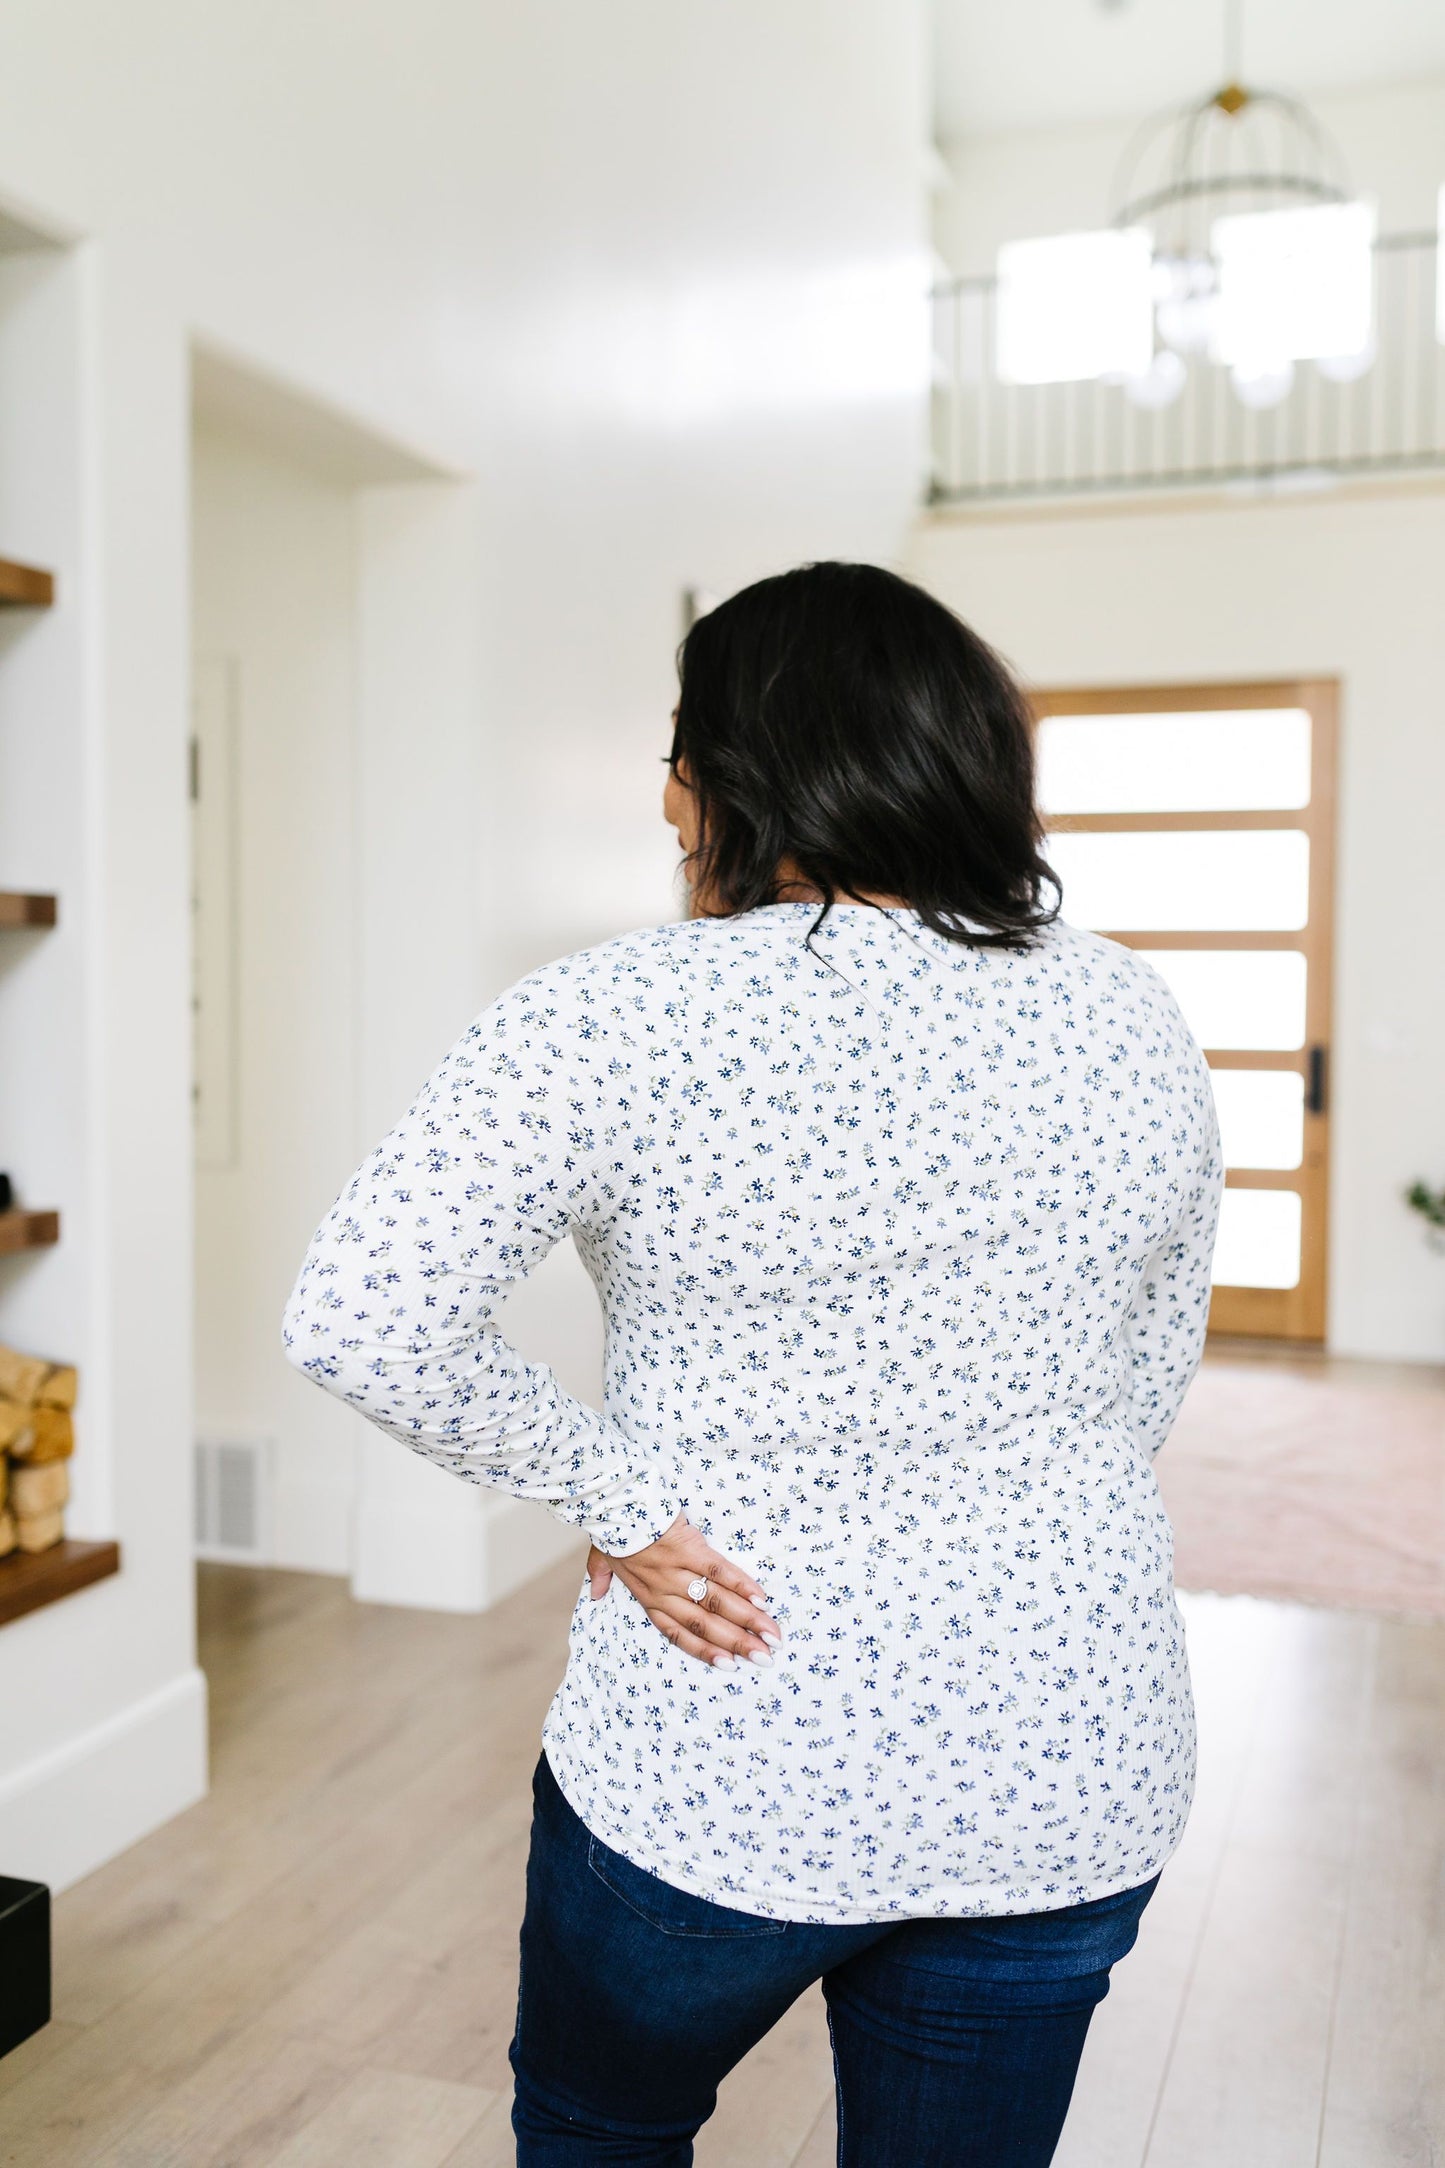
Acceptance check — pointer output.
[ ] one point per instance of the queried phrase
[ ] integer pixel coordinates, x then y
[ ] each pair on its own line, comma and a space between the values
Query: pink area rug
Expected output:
1314, 1480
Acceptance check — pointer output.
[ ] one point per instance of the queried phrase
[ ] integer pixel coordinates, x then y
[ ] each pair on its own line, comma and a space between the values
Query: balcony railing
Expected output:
994, 441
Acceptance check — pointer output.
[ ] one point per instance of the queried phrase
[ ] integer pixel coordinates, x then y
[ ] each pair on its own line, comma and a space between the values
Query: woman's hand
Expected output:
729, 1625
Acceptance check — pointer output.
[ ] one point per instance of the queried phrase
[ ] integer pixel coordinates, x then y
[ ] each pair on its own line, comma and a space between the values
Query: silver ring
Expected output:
697, 1590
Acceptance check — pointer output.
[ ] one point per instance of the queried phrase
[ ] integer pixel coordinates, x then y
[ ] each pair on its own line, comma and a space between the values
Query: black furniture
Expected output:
24, 1960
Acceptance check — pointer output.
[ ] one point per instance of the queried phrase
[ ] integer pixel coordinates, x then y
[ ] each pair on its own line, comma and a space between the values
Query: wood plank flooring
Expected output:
315, 1967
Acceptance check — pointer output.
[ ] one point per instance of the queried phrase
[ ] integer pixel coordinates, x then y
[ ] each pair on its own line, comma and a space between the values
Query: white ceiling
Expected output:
1005, 64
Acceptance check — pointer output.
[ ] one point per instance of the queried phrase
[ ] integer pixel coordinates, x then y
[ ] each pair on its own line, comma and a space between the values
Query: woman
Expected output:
899, 1196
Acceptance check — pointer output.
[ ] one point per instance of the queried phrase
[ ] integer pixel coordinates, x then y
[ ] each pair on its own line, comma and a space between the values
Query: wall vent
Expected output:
233, 1499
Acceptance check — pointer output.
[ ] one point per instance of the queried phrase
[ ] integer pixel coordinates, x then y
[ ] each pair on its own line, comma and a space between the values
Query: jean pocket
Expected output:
672, 1911
1067, 1944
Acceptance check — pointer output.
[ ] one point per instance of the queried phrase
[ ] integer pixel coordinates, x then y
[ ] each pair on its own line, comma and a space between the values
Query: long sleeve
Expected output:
1171, 1309
395, 1309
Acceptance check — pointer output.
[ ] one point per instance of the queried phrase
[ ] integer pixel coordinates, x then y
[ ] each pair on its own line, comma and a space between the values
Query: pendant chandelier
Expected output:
1234, 239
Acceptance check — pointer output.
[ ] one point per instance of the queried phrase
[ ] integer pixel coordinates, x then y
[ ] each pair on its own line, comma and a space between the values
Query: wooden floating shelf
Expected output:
25, 587
18, 909
28, 1581
27, 1231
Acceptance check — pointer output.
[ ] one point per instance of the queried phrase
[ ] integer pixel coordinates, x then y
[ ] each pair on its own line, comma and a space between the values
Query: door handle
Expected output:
1315, 1081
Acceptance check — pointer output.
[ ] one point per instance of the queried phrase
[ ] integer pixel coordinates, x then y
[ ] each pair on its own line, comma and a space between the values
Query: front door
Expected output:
1196, 824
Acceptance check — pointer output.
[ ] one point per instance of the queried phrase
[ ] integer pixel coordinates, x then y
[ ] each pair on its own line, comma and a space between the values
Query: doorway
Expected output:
1195, 824
324, 559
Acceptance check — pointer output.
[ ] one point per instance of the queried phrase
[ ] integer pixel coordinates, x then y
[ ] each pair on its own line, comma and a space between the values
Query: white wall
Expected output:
1006, 187
433, 918
645, 273
1312, 587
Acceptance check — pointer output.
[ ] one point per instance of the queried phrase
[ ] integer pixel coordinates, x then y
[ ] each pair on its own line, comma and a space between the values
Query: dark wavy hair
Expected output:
840, 718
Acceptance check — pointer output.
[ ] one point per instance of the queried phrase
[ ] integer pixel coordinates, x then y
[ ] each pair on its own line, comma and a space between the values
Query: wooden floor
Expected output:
315, 1969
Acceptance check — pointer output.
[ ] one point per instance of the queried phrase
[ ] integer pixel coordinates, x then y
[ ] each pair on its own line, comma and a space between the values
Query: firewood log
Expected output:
40, 1532
34, 1491
14, 1427
58, 1387
21, 1376
50, 1436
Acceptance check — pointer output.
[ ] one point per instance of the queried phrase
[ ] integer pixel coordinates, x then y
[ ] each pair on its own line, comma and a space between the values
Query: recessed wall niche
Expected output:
47, 830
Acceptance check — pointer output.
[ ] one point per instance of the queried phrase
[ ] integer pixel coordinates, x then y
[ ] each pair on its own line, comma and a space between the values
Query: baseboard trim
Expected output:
67, 1812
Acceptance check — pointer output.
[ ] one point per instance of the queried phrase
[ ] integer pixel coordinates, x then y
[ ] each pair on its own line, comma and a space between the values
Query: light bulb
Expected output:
1262, 384
1185, 287
1187, 323
1347, 368
1160, 384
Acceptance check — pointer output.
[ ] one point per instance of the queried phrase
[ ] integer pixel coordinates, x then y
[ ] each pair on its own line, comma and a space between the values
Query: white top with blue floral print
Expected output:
903, 1248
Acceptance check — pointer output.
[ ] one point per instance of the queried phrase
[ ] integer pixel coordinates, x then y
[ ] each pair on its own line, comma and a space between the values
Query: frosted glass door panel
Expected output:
1225, 879
1261, 1117
1217, 761
1238, 997
1259, 1239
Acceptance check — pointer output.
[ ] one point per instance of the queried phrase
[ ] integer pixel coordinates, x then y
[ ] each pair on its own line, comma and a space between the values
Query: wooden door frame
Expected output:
1293, 1313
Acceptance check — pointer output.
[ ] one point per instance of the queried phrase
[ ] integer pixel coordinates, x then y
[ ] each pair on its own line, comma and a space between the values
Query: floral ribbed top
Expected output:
903, 1248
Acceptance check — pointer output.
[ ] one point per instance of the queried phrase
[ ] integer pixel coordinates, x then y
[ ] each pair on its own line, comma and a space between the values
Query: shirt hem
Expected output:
949, 1901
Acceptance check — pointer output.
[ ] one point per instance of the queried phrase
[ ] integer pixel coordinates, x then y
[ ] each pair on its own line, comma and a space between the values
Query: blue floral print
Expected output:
903, 1249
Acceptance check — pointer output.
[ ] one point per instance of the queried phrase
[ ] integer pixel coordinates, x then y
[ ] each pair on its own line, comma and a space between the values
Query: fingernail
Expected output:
761, 1602
772, 1639
760, 1656
726, 1662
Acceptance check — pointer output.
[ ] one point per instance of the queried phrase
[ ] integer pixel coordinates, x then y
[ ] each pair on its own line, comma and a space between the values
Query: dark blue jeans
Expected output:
954, 2041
